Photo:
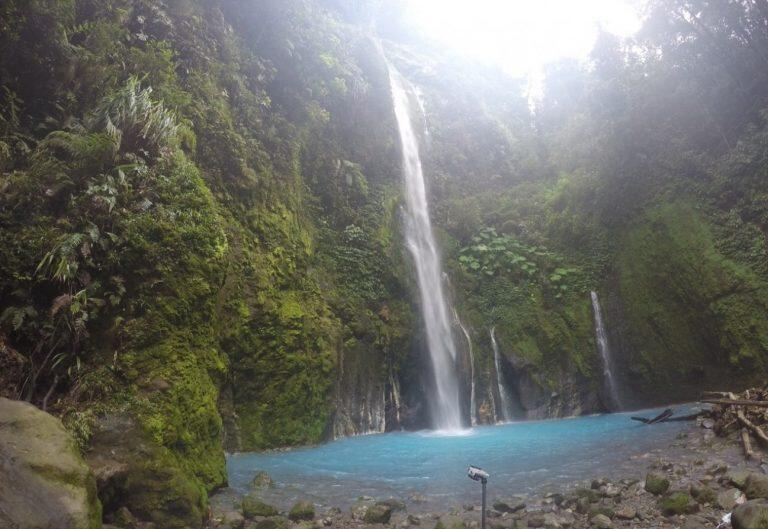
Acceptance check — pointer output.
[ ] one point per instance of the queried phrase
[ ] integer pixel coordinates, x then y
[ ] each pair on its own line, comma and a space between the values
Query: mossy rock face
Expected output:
656, 484
52, 485
302, 510
253, 507
678, 503
135, 472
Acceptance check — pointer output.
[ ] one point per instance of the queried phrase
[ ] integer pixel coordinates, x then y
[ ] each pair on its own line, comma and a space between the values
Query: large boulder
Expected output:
751, 515
656, 484
44, 482
756, 486
133, 471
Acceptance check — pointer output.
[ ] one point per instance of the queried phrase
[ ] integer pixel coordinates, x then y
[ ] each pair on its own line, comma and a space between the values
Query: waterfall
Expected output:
605, 353
421, 243
504, 399
472, 401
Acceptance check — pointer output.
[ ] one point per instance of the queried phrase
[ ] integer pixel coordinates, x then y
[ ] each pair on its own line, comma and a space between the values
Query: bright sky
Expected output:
523, 35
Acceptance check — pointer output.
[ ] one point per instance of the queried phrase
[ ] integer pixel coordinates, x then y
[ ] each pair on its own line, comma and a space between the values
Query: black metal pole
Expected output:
482, 516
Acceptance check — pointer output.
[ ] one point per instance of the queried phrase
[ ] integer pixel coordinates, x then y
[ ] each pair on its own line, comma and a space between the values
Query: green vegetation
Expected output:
199, 221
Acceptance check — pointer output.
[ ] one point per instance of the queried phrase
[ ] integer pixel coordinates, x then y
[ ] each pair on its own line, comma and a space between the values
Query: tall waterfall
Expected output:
505, 402
605, 353
421, 243
472, 400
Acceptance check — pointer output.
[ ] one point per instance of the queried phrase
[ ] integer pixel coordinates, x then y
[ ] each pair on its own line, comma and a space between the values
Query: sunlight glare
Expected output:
523, 35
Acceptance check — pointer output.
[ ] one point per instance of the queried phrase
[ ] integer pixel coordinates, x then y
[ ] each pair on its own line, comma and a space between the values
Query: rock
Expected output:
513, 505
358, 509
727, 499
553, 521
394, 504
703, 494
756, 486
610, 490
708, 424
418, 498
253, 507
717, 467
133, 471
751, 515
656, 483
601, 521
262, 480
591, 495
738, 478
44, 482
378, 513
678, 503
302, 510
597, 483
273, 522
413, 520
536, 520
582, 505
626, 513
600, 509
696, 522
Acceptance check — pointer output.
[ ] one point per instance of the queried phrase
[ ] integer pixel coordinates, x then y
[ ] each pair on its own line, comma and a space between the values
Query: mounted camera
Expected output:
477, 473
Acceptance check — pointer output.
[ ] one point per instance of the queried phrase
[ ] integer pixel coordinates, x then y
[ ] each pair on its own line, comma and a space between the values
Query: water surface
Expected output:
522, 457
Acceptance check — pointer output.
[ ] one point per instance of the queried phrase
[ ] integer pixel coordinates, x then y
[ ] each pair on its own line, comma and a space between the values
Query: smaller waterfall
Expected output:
472, 401
504, 403
605, 353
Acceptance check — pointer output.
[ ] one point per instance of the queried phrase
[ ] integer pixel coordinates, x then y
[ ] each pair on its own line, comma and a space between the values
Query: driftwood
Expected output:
748, 453
662, 417
738, 402
744, 415
759, 433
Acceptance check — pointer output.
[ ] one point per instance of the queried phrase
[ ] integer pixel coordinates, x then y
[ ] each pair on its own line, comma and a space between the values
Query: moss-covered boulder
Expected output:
656, 484
751, 515
678, 503
302, 510
134, 471
378, 513
756, 486
703, 494
253, 507
44, 481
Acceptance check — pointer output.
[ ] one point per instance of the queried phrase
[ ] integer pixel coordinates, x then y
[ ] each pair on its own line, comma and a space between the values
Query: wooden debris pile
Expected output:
744, 414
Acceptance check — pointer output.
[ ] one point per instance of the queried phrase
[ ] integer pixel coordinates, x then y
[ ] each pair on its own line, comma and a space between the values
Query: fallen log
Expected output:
759, 433
662, 417
741, 402
748, 453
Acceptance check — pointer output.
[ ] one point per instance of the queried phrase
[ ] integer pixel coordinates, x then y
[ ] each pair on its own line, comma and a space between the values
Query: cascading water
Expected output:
605, 353
446, 414
505, 404
472, 401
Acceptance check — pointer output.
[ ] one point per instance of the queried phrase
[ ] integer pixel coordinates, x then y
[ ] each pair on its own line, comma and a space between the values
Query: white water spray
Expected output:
446, 414
472, 401
505, 403
605, 352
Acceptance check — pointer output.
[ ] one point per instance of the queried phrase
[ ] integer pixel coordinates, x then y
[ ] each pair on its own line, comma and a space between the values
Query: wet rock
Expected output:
727, 499
717, 467
703, 494
601, 509
582, 505
417, 498
756, 486
553, 521
597, 483
536, 520
738, 478
696, 522
751, 515
273, 522
394, 504
378, 513
509, 506
253, 507
678, 503
601, 521
708, 424
626, 513
656, 484
302, 510
262, 480
610, 491
44, 482
413, 520
591, 495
